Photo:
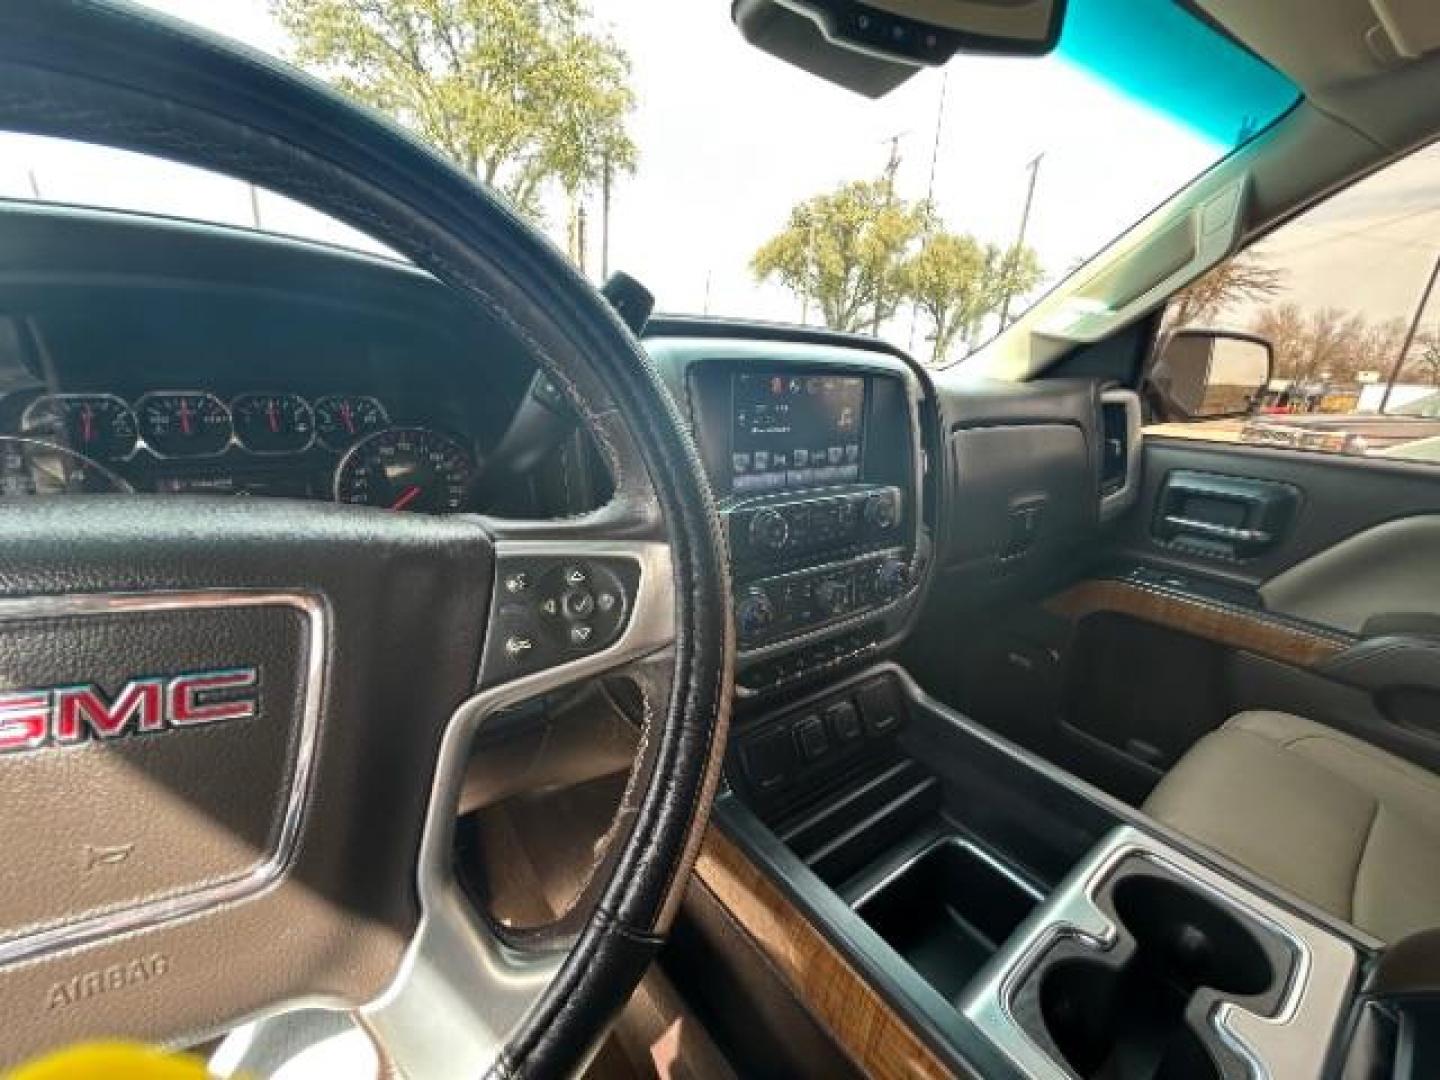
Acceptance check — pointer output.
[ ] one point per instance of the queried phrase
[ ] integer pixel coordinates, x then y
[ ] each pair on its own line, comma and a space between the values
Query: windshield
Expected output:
650, 137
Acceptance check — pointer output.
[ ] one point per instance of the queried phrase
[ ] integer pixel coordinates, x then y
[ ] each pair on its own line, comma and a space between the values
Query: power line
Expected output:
930, 189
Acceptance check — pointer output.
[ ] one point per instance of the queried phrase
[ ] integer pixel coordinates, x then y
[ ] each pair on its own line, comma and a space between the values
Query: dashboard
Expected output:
151, 356
178, 360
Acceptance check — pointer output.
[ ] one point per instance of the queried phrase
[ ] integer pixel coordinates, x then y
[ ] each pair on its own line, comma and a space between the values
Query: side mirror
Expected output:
1211, 374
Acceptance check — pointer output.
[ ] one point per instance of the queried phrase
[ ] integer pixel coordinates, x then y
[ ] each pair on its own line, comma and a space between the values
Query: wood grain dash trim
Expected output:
875, 1037
1234, 628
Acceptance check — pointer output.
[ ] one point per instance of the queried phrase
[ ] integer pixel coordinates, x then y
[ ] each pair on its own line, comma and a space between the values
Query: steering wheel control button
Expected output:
578, 604
549, 611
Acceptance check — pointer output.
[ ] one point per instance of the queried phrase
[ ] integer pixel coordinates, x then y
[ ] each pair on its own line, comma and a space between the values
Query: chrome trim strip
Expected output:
1120, 500
145, 915
460, 990
1290, 1044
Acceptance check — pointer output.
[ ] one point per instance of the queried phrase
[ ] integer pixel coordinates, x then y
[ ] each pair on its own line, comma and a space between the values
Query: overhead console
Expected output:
813, 449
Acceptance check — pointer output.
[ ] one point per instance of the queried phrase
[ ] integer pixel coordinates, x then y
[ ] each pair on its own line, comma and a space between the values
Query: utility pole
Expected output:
34, 182
254, 206
930, 188
605, 221
1410, 334
1034, 167
707, 291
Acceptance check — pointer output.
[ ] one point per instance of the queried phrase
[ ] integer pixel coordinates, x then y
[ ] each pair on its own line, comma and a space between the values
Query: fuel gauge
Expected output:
342, 420
273, 423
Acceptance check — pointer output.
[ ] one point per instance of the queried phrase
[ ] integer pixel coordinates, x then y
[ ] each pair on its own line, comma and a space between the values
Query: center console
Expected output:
1021, 923
816, 467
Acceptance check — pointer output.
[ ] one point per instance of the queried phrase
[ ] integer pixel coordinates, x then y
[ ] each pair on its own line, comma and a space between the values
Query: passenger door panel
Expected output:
1311, 587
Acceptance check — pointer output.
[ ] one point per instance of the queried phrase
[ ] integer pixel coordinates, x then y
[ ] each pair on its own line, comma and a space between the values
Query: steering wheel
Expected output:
234, 732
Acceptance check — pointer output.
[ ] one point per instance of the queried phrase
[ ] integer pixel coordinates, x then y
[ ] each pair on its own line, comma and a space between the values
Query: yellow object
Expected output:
112, 1061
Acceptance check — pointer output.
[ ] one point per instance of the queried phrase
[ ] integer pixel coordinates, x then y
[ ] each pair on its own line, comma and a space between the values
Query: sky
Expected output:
730, 139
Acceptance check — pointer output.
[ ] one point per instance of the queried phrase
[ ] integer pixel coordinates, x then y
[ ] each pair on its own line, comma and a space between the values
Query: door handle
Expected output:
1251, 538
1228, 517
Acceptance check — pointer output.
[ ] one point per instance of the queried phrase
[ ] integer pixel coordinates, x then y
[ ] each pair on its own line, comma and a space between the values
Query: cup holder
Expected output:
1140, 1010
1122, 1025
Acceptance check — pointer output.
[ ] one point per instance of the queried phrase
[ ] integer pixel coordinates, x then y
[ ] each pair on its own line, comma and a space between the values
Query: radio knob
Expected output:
832, 597
891, 578
882, 510
770, 530
754, 614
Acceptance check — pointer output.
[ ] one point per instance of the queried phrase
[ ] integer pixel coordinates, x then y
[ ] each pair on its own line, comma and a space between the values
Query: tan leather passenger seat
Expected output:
1347, 826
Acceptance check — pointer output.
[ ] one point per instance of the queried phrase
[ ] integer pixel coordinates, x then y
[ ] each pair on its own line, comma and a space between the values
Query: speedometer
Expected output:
406, 469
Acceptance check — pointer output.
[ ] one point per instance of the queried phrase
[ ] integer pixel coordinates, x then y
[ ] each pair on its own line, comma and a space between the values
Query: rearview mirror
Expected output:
874, 46
1211, 374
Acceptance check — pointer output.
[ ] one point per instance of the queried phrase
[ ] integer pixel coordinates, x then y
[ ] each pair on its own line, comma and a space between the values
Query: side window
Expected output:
1344, 297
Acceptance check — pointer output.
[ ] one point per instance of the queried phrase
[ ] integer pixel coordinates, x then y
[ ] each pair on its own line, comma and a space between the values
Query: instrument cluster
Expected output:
343, 447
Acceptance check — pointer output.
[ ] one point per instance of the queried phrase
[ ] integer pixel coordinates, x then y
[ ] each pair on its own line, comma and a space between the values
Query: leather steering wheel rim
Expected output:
107, 73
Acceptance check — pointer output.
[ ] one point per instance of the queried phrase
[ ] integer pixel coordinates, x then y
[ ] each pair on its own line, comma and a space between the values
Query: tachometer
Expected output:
406, 469
100, 425
273, 423
30, 467
184, 423
343, 419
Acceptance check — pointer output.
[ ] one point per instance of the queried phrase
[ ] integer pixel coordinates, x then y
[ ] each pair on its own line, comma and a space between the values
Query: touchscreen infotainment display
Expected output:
795, 430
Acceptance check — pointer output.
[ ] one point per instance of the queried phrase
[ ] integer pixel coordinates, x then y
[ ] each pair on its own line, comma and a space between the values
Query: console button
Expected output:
768, 758
881, 706
811, 738
844, 721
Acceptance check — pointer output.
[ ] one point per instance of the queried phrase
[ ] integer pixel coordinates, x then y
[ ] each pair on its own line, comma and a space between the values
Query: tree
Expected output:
1379, 345
1241, 279
1283, 325
844, 251
518, 93
957, 282
1427, 364
1331, 333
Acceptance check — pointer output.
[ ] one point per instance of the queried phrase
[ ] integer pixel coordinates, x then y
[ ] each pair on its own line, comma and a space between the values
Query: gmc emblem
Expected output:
65, 715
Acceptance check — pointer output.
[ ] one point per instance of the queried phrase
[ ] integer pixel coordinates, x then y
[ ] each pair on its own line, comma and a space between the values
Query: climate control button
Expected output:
882, 510
754, 614
833, 596
892, 577
770, 530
